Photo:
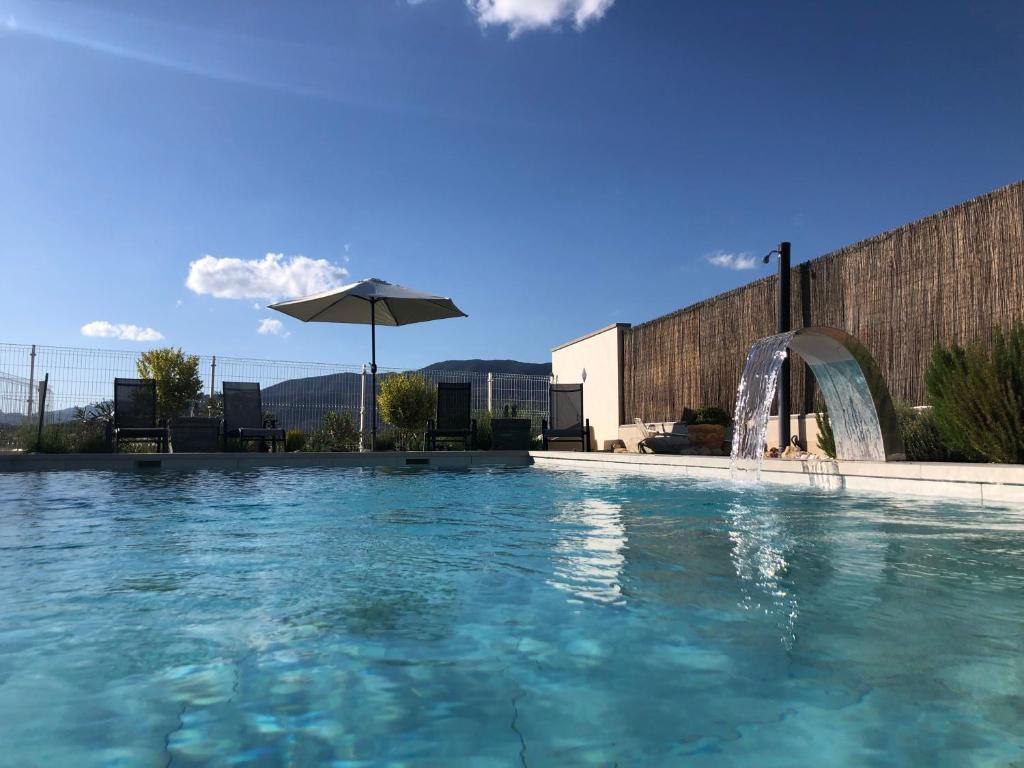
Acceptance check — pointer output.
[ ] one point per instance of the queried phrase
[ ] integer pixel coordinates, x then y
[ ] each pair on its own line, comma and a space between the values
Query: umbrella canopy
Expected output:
371, 302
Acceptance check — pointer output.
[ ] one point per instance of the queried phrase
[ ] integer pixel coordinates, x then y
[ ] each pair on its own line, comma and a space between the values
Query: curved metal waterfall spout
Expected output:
860, 409
859, 406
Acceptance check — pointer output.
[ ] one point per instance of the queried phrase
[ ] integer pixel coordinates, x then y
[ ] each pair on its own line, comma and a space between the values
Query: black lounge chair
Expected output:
661, 442
243, 415
454, 405
565, 402
135, 414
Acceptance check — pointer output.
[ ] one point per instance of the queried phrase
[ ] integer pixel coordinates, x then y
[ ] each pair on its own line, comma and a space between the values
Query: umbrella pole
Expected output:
373, 374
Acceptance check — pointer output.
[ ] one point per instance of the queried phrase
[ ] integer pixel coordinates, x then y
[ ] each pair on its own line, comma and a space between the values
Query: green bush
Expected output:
711, 415
294, 440
64, 437
407, 401
177, 379
922, 440
337, 433
977, 397
483, 430
826, 440
212, 404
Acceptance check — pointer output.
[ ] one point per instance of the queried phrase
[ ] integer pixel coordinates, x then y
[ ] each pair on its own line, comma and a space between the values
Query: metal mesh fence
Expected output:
298, 394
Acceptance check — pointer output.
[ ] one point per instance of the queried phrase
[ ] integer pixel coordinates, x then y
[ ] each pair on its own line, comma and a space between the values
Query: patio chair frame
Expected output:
578, 432
268, 429
454, 419
138, 427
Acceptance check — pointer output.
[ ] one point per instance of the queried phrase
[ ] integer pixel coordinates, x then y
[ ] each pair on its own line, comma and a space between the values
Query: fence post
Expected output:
362, 409
213, 375
490, 393
31, 378
43, 386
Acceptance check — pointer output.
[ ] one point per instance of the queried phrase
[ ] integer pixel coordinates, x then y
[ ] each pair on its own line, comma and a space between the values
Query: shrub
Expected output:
711, 415
977, 397
64, 437
922, 440
826, 440
338, 433
483, 430
294, 440
101, 412
407, 401
177, 379
213, 405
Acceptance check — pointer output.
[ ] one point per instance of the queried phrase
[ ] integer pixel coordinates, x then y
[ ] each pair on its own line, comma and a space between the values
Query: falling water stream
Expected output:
754, 397
841, 380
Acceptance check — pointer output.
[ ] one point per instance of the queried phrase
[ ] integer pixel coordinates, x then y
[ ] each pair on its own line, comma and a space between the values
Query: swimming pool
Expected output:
498, 617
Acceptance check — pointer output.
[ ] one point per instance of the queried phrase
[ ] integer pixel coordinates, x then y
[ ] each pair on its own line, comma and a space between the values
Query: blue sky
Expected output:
553, 165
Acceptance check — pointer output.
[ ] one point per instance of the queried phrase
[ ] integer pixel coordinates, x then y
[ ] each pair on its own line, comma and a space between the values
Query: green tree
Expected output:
977, 397
407, 401
177, 379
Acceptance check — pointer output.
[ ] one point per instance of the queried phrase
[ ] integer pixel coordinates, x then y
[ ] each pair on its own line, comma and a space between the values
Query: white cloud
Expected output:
522, 15
11, 23
178, 303
271, 327
275, 276
737, 261
122, 331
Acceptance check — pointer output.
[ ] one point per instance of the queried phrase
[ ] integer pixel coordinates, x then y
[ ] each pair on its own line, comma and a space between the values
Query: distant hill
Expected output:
491, 366
300, 403
52, 417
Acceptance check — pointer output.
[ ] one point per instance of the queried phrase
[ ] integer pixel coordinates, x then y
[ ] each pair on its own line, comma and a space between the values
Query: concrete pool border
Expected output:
981, 483
129, 462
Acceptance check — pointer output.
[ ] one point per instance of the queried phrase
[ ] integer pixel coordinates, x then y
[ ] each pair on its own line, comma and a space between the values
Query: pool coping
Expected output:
981, 483
133, 462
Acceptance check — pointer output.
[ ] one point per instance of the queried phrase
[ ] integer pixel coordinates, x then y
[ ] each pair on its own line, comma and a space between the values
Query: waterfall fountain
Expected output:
754, 397
861, 411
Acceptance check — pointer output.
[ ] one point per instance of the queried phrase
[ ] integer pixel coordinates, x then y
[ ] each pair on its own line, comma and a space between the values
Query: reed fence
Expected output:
950, 277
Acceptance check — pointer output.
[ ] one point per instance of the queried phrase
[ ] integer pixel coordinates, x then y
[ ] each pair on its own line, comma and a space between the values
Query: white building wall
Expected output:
600, 355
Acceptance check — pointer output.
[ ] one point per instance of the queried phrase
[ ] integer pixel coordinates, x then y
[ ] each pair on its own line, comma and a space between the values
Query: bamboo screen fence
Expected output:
950, 277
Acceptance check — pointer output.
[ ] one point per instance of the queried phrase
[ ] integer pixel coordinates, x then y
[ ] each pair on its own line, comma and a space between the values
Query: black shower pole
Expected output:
784, 326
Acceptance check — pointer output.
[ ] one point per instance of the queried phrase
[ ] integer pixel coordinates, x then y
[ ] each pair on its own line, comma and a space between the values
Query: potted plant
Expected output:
707, 428
510, 433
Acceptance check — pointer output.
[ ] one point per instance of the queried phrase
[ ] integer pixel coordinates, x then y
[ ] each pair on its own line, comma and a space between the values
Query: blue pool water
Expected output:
521, 617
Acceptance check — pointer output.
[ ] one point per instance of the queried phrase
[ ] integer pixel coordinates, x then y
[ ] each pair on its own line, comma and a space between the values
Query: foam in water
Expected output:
754, 397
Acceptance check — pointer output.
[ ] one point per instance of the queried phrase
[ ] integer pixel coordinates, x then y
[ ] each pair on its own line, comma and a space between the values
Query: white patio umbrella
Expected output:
371, 302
